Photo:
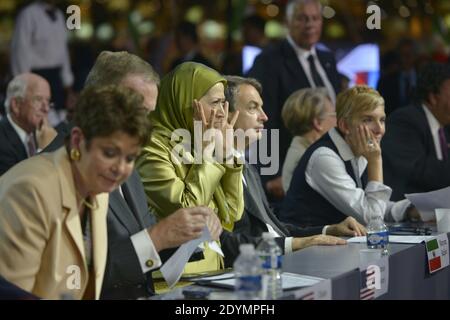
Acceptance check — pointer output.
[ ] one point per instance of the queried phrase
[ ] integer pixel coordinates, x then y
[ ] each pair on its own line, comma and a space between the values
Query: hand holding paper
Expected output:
173, 268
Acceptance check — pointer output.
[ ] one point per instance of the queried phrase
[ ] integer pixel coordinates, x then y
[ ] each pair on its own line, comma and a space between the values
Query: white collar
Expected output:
432, 121
240, 155
346, 152
300, 141
300, 51
23, 135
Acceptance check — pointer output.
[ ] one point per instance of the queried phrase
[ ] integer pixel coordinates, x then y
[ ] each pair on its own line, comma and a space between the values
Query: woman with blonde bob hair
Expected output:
308, 114
341, 174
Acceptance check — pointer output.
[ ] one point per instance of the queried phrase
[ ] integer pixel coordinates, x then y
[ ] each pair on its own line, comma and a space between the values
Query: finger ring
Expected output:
370, 144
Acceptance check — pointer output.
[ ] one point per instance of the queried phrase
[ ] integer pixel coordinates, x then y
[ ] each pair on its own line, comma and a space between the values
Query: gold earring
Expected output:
75, 155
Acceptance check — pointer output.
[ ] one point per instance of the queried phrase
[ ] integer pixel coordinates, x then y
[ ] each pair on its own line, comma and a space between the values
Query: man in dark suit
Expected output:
397, 86
243, 94
415, 146
293, 64
25, 128
186, 39
135, 240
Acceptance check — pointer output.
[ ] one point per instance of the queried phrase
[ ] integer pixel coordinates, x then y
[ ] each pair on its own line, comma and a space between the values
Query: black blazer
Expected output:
409, 157
9, 291
257, 214
12, 149
123, 275
389, 88
280, 73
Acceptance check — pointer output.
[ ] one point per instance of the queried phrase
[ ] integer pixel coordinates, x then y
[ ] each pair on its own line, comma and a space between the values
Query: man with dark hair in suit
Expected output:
293, 64
244, 95
135, 240
186, 39
25, 130
397, 87
415, 147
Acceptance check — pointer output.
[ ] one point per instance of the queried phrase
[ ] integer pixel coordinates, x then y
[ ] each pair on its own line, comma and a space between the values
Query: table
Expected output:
408, 271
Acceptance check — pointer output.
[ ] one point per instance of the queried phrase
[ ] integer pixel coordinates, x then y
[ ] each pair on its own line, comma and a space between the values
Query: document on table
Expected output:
395, 239
288, 280
173, 268
428, 201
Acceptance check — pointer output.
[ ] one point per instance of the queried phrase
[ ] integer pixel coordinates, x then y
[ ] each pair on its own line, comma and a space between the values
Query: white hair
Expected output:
292, 4
17, 88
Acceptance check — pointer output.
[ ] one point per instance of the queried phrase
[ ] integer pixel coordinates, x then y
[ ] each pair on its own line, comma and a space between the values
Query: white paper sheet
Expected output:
428, 201
394, 239
289, 281
173, 268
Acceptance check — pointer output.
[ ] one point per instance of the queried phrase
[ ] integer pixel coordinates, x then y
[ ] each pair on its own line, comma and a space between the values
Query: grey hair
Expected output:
17, 88
302, 107
292, 4
233, 84
113, 67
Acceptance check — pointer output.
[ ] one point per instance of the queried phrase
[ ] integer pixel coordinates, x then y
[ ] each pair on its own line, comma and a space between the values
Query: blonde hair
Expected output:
302, 107
353, 102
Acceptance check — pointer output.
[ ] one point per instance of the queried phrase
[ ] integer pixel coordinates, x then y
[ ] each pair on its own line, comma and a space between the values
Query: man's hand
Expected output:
183, 225
412, 214
45, 134
320, 240
349, 227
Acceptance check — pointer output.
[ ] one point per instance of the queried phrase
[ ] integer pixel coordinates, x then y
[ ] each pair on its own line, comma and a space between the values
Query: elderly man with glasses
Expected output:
25, 129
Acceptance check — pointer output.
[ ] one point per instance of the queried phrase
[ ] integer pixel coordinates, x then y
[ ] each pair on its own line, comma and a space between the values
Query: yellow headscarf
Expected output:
174, 110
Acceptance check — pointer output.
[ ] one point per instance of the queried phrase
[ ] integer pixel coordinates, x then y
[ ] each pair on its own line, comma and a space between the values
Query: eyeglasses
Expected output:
328, 114
37, 101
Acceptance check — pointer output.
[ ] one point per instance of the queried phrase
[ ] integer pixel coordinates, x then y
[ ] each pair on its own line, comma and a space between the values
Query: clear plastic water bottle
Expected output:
270, 254
247, 269
378, 234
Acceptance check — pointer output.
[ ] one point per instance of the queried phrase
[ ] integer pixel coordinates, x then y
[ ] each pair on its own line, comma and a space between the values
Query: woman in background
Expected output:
308, 114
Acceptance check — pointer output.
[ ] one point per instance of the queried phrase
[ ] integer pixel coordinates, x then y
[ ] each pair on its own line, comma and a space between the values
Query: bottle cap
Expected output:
247, 248
267, 235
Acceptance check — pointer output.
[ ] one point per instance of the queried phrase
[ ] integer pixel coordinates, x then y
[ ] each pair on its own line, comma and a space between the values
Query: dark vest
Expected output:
303, 206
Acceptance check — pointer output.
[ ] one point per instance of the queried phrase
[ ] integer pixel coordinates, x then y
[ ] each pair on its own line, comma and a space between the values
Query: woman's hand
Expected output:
363, 143
227, 140
219, 141
208, 145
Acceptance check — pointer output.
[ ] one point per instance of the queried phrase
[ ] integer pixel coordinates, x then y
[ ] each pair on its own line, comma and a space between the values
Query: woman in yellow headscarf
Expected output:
172, 176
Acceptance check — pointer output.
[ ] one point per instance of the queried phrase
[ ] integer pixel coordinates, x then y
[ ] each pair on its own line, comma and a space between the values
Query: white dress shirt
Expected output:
39, 43
327, 175
303, 55
295, 152
287, 240
145, 249
434, 127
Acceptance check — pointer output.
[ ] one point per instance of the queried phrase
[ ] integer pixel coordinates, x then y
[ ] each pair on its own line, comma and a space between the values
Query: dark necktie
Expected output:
51, 12
443, 142
31, 145
315, 75
255, 190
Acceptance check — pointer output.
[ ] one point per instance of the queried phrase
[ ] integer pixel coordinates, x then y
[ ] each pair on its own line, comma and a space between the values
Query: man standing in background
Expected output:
39, 45
293, 64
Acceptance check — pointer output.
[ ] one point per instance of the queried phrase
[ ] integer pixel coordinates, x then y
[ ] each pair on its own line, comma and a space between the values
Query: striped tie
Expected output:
31, 145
